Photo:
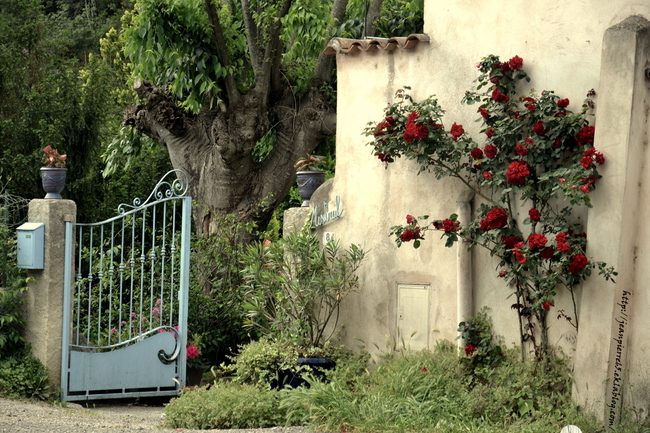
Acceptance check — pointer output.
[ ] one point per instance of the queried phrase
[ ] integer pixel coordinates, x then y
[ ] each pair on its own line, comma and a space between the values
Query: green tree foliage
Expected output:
58, 88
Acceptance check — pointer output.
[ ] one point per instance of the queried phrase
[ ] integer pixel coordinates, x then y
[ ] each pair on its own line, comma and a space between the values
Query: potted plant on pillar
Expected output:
53, 173
309, 175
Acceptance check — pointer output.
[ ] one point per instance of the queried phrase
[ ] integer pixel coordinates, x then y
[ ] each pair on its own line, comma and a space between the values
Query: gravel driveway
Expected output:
20, 417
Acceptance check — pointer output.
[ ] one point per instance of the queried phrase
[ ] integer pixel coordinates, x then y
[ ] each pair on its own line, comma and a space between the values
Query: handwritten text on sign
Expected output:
319, 218
617, 378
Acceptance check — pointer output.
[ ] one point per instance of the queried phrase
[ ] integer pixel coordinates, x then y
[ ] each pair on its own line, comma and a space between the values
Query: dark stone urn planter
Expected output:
193, 376
53, 179
294, 379
308, 182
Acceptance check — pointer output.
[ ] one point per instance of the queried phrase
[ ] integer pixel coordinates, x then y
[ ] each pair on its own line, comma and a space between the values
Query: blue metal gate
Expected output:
125, 320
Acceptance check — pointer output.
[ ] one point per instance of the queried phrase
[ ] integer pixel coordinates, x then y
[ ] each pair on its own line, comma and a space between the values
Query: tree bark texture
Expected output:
215, 147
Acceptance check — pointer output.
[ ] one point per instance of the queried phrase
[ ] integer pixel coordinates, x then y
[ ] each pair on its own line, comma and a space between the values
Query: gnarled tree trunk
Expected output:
215, 147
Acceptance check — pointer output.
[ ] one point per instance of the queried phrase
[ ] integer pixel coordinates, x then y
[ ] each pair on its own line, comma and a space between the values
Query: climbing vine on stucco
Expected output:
533, 152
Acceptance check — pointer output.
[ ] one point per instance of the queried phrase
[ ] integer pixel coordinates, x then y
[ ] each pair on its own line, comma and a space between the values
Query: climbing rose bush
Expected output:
532, 150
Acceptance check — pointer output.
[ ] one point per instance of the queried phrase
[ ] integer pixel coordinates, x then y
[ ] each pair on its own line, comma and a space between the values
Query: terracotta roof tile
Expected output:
351, 46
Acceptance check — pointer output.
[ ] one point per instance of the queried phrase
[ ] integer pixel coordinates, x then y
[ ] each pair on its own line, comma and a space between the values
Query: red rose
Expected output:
456, 131
409, 219
538, 128
521, 150
517, 172
490, 151
547, 305
537, 241
578, 263
384, 157
476, 153
563, 103
529, 141
469, 349
592, 155
547, 253
585, 189
502, 274
530, 107
534, 214
519, 255
484, 113
381, 129
499, 97
487, 175
408, 234
496, 218
390, 120
510, 241
558, 142
414, 130
489, 132
586, 135
563, 247
450, 225
516, 63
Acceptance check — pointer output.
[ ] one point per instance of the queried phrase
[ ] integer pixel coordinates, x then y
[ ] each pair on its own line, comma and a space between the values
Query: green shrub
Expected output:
430, 391
24, 377
479, 342
225, 405
294, 287
259, 362
215, 313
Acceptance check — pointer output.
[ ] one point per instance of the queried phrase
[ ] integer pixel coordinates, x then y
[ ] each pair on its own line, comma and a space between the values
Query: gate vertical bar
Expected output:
67, 305
184, 284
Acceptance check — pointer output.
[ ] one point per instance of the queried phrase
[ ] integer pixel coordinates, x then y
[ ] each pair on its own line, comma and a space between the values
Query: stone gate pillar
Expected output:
44, 309
616, 225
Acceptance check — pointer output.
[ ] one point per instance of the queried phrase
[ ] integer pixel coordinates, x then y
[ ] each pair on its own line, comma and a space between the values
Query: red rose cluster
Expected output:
447, 225
410, 234
385, 126
534, 214
578, 263
456, 131
537, 241
517, 172
414, 129
496, 218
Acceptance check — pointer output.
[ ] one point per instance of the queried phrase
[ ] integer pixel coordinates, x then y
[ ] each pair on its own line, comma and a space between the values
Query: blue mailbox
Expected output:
31, 245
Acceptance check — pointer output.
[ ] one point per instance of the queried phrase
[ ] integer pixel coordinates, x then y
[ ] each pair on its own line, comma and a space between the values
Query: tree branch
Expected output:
325, 64
372, 17
222, 51
252, 35
270, 72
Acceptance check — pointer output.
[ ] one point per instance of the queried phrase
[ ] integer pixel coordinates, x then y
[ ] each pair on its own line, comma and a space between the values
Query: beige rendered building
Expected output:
419, 296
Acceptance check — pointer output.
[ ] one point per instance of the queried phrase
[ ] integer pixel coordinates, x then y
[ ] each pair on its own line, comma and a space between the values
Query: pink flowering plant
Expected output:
52, 158
533, 151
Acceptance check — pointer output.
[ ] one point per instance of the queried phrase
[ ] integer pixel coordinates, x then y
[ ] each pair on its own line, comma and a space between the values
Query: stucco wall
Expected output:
562, 47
